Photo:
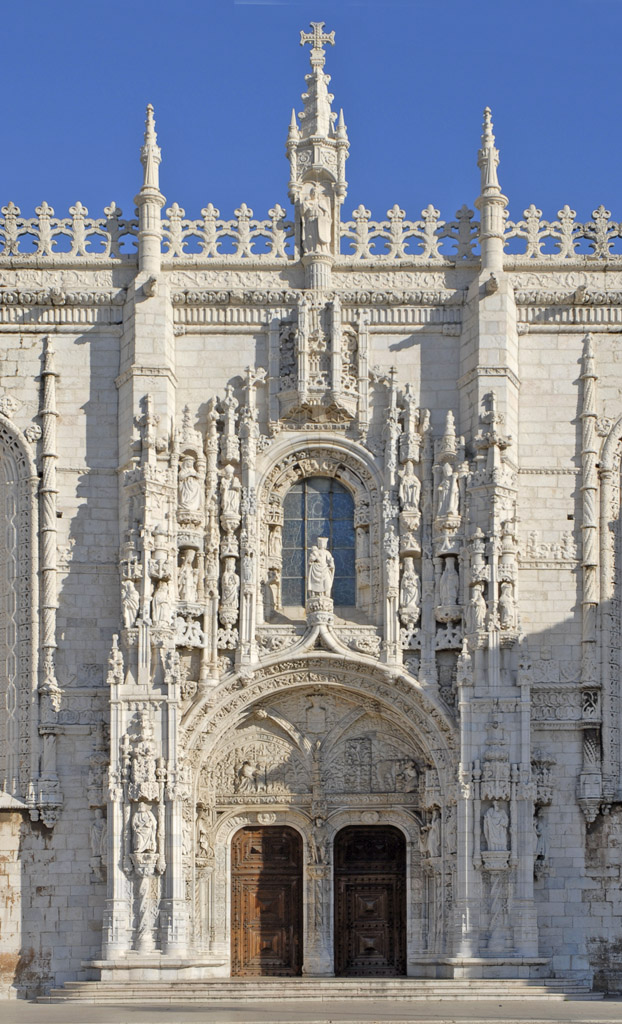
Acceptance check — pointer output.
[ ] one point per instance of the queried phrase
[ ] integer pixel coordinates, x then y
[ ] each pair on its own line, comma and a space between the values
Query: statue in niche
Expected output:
99, 834
188, 485
144, 828
507, 608
410, 594
476, 610
230, 492
274, 541
131, 602
449, 584
432, 841
161, 604
410, 487
205, 847
496, 827
230, 583
321, 570
447, 492
317, 220
187, 576
540, 845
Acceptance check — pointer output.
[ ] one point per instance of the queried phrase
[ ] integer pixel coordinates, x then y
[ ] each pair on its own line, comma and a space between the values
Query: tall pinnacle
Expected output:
317, 117
150, 154
488, 156
491, 202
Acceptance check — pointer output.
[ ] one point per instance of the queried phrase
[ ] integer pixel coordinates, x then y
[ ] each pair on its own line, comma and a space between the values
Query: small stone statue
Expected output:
161, 605
247, 782
321, 571
230, 491
433, 837
410, 487
187, 577
131, 602
496, 827
189, 491
98, 834
410, 594
447, 493
230, 584
205, 847
449, 584
317, 219
476, 610
507, 608
144, 828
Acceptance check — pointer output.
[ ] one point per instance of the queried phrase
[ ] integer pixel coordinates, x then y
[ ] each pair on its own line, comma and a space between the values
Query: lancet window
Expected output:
318, 507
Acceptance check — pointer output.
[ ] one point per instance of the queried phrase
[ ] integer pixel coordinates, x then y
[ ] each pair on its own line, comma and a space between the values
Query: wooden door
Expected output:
266, 912
370, 902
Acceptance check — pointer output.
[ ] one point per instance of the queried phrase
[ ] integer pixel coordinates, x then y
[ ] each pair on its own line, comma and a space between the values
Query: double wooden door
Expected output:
266, 912
370, 902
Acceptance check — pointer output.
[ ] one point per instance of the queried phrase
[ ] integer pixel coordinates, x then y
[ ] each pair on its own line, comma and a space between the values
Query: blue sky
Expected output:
411, 75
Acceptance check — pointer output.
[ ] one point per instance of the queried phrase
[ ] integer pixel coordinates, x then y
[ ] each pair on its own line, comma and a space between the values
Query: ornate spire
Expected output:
488, 156
150, 154
317, 118
491, 202
150, 201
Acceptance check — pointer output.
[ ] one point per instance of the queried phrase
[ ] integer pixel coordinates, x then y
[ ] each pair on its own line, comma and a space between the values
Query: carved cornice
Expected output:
146, 371
489, 371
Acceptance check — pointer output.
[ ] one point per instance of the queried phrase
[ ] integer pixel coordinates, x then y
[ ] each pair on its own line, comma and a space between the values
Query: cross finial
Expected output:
317, 38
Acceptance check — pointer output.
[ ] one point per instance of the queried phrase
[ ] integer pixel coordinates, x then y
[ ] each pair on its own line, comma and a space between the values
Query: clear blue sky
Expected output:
411, 75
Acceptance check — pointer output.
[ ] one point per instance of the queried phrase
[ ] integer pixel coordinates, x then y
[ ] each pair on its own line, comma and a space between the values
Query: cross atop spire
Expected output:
317, 38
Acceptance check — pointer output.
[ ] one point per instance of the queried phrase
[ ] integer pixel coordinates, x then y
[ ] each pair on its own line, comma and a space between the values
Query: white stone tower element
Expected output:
150, 201
317, 153
491, 202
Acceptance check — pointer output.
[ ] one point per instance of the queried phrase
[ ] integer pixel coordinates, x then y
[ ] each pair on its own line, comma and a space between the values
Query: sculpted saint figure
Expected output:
187, 577
189, 490
447, 493
496, 827
144, 827
98, 834
433, 838
230, 583
317, 220
162, 608
450, 581
230, 488
246, 778
507, 611
321, 570
131, 601
410, 594
476, 610
410, 486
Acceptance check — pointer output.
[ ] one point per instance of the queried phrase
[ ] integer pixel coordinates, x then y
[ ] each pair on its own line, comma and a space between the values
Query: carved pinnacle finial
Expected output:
150, 154
488, 156
317, 38
588, 357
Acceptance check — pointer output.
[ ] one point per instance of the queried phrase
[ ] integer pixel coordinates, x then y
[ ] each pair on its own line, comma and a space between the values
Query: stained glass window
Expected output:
318, 507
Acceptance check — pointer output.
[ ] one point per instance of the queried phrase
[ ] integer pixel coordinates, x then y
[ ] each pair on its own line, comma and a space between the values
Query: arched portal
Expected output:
370, 901
266, 901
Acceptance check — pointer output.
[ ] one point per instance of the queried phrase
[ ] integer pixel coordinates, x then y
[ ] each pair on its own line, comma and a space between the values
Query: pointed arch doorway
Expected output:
266, 901
370, 901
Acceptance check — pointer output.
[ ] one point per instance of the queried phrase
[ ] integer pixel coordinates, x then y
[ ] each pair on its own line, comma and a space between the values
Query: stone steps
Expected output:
245, 990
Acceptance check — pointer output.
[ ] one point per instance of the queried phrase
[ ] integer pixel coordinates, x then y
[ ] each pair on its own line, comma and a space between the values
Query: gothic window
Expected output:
318, 507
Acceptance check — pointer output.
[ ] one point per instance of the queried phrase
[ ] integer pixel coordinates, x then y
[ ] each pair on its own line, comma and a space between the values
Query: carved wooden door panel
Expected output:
370, 895
266, 911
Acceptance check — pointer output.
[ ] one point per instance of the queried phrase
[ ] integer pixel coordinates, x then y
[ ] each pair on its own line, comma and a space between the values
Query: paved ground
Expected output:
533, 1011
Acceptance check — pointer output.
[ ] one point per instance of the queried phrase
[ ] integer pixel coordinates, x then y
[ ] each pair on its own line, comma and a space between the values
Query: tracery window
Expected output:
318, 507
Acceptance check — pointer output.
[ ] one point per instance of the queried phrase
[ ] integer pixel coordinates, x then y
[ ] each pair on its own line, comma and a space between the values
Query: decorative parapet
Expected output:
228, 239
563, 237
78, 235
244, 237
396, 233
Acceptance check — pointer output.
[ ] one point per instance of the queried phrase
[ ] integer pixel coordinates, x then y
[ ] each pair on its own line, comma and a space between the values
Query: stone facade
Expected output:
170, 389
